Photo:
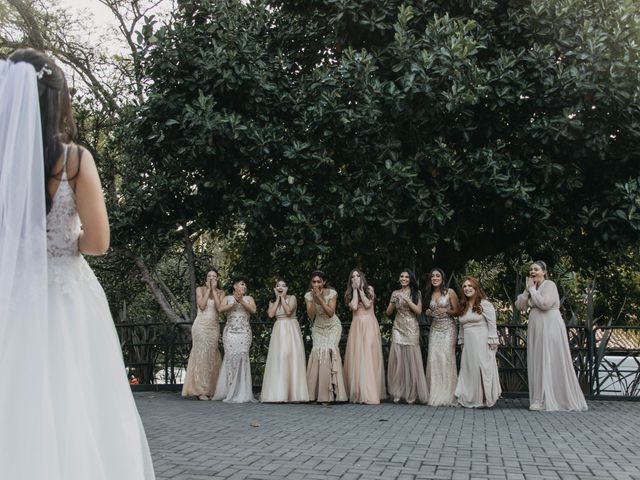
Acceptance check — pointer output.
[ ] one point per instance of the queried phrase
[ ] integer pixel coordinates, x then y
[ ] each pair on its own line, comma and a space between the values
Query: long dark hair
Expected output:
429, 288
464, 301
213, 269
413, 285
56, 117
323, 277
348, 294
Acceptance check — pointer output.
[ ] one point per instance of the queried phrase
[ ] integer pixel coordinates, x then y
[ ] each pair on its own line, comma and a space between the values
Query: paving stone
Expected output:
214, 440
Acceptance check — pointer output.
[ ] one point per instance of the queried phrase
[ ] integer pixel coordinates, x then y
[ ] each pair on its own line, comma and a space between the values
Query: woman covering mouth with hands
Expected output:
552, 380
324, 371
284, 375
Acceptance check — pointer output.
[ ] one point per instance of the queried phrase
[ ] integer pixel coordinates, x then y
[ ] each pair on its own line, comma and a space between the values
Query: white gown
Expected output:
98, 432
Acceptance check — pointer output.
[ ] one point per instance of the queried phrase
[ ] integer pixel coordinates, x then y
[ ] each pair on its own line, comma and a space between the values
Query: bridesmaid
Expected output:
405, 375
363, 363
234, 383
284, 375
441, 355
204, 360
478, 382
552, 380
324, 372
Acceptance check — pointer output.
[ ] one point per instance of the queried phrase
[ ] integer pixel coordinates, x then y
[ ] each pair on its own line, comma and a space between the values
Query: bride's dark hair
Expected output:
55, 109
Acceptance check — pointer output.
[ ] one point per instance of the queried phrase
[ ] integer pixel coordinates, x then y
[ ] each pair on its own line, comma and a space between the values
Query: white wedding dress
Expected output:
67, 412
98, 434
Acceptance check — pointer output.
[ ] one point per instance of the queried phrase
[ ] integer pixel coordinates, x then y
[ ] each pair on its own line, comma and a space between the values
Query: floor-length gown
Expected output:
405, 374
204, 360
99, 435
324, 370
285, 377
234, 382
553, 384
441, 370
478, 381
363, 363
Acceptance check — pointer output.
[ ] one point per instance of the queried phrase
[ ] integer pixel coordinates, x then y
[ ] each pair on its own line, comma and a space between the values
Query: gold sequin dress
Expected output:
204, 360
405, 375
324, 371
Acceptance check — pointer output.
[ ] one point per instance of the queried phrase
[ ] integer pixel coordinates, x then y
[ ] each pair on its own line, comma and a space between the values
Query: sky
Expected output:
102, 18
101, 14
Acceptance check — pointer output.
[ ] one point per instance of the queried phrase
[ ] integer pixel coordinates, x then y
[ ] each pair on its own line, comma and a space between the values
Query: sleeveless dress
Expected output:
99, 435
234, 383
478, 382
363, 363
553, 384
204, 360
405, 375
441, 373
284, 375
324, 371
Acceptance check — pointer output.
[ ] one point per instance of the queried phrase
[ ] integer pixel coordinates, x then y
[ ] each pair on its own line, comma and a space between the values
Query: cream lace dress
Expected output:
99, 435
234, 383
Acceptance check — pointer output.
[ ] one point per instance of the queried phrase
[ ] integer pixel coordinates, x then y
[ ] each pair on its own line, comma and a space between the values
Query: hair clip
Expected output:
45, 69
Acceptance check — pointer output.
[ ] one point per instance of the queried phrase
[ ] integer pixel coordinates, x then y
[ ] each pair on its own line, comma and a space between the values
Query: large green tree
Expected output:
389, 133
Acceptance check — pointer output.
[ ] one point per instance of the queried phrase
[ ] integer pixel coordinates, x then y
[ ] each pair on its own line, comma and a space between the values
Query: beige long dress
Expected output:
478, 381
441, 371
324, 371
204, 360
363, 363
284, 375
405, 375
553, 384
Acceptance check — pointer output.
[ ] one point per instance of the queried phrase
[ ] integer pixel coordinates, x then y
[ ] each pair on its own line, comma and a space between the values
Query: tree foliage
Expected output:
391, 133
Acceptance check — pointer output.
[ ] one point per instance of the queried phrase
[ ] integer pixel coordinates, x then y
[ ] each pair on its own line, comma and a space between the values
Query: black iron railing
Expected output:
605, 365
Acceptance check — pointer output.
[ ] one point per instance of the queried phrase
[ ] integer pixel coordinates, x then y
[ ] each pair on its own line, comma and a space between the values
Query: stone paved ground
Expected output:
193, 440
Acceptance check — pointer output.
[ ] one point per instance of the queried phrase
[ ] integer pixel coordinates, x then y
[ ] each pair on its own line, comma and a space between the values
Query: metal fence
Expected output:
157, 353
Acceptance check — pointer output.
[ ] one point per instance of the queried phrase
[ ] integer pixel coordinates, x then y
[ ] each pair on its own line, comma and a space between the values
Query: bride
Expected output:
70, 414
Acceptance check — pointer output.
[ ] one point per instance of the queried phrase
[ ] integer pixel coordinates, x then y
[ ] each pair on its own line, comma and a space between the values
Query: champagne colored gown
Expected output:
405, 374
204, 360
98, 432
478, 381
324, 371
553, 384
441, 371
363, 363
285, 378
234, 382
